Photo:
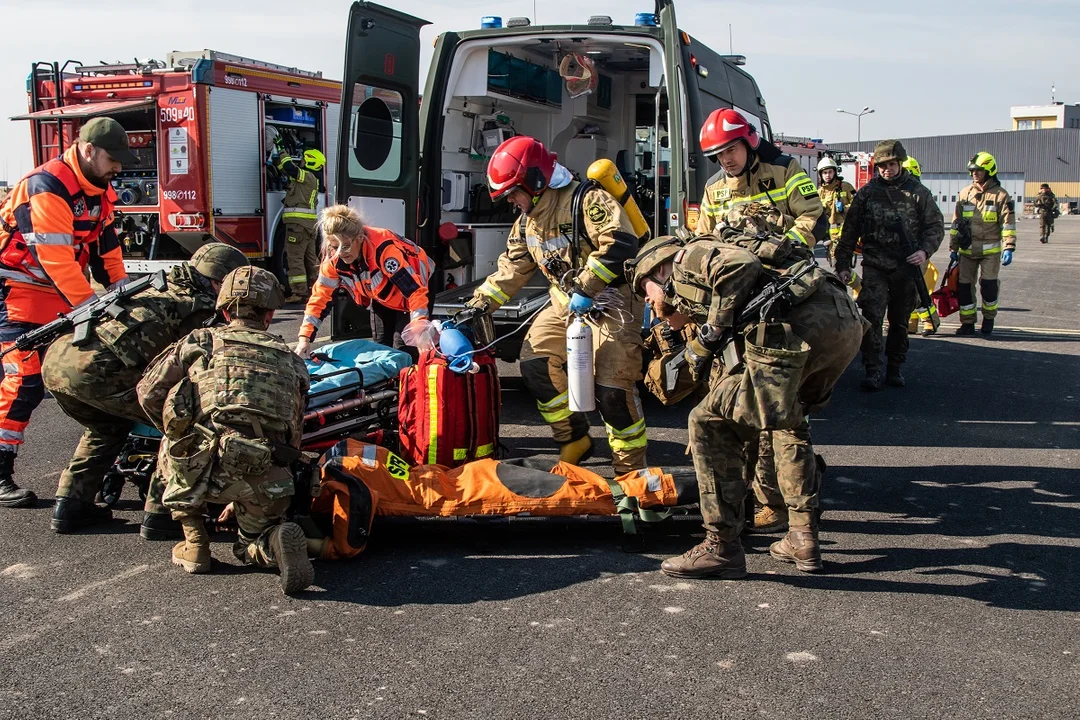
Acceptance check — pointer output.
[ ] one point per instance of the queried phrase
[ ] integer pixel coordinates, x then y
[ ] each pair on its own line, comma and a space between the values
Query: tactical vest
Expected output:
250, 380
151, 322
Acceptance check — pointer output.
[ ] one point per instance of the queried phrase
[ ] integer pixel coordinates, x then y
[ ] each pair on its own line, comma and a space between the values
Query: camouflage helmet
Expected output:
215, 260
887, 150
248, 290
755, 218
652, 255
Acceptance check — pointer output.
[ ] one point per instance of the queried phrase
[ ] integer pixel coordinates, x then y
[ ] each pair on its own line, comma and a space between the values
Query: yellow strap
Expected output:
485, 450
433, 413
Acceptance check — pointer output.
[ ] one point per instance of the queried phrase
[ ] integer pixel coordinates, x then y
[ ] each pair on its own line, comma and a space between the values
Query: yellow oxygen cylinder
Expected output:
604, 172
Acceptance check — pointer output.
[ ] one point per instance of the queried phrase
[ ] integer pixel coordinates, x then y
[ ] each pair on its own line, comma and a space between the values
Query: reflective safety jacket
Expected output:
53, 225
773, 179
391, 270
301, 196
543, 240
840, 190
991, 216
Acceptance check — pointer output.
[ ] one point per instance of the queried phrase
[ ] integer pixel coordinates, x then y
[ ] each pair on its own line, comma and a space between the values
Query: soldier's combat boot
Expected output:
799, 546
11, 495
768, 520
160, 526
193, 552
71, 514
967, 329
987, 326
712, 558
577, 451
290, 549
893, 376
873, 381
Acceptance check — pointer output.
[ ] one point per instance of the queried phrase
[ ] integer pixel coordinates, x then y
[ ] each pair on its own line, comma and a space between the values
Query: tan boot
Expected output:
769, 520
577, 451
711, 558
799, 546
290, 549
193, 554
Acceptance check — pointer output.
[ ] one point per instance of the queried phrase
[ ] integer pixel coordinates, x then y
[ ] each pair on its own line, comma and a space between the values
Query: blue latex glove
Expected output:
954, 256
839, 206
1006, 257
580, 304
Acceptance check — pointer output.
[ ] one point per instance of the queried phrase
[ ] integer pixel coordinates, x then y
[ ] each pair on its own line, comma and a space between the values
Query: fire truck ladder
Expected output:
41, 72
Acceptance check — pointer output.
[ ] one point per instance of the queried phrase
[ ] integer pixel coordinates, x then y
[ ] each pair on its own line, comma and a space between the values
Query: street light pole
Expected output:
858, 117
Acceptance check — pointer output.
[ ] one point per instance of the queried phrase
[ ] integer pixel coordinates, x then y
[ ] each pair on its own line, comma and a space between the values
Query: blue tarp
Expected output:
374, 361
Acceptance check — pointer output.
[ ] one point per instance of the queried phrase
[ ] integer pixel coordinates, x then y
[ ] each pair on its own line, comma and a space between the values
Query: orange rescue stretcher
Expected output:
360, 481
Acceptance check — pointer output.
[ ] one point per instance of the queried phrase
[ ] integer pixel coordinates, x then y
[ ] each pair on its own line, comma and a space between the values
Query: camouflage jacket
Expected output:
732, 274
1044, 202
542, 240
876, 215
226, 377
152, 321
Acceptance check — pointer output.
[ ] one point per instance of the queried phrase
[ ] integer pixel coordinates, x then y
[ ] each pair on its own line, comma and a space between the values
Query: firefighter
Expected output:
928, 316
754, 170
57, 222
299, 212
1046, 206
585, 273
379, 269
836, 196
982, 238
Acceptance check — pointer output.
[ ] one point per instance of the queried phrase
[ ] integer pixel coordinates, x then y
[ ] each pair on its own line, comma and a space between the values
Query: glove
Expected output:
954, 256
839, 206
1006, 257
698, 359
580, 304
118, 284
420, 334
303, 348
466, 316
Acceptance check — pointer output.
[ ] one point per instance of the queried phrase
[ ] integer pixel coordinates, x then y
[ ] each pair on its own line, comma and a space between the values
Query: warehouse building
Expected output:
1025, 159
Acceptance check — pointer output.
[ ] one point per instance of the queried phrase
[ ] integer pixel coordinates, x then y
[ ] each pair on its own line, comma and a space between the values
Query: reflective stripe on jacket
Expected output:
56, 223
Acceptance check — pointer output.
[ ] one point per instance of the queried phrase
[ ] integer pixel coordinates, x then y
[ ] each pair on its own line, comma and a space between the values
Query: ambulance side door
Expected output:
379, 136
678, 113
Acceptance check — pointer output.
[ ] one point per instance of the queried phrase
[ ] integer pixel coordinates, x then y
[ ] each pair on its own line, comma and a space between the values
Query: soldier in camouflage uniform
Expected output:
710, 281
95, 383
898, 222
230, 401
1046, 207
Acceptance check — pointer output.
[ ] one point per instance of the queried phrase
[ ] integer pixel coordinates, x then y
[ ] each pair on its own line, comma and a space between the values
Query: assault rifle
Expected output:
83, 319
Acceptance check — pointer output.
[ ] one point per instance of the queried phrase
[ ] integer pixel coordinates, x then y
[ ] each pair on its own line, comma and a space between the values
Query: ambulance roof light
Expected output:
491, 21
735, 59
645, 19
603, 20
518, 22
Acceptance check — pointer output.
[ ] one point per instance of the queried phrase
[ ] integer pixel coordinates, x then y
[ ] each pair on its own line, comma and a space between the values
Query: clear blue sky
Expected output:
927, 68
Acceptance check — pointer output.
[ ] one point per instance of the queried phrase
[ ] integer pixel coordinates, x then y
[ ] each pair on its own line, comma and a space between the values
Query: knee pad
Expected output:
614, 406
965, 293
537, 378
989, 289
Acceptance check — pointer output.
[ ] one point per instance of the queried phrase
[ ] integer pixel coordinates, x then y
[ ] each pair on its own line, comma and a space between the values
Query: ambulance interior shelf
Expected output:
300, 128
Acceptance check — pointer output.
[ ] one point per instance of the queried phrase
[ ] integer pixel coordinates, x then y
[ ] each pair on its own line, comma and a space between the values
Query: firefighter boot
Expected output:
967, 329
893, 376
577, 451
873, 380
290, 550
11, 495
987, 326
711, 558
193, 552
768, 520
71, 514
913, 323
799, 546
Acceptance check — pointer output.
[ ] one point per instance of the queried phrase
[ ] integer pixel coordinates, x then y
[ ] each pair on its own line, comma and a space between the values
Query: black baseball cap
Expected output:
110, 136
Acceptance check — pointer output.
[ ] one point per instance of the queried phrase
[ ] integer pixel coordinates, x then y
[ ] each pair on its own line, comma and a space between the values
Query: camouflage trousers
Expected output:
1046, 225
830, 324
786, 473
259, 501
886, 294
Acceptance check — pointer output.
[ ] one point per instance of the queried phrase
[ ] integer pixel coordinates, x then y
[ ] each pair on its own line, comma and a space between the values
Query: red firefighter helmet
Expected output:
724, 127
521, 162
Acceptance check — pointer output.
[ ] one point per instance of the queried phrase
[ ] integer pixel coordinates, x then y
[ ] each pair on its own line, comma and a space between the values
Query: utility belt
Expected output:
248, 450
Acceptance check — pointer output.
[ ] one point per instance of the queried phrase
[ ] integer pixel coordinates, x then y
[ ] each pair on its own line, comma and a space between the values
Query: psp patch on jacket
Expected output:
598, 214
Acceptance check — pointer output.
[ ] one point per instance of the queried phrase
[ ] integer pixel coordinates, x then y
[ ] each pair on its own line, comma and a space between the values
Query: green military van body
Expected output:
418, 167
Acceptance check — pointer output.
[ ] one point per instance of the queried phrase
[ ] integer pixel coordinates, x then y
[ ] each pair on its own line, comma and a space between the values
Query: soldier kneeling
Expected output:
783, 367
230, 401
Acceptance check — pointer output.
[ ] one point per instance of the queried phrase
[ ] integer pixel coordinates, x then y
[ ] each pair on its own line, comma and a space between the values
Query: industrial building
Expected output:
1025, 159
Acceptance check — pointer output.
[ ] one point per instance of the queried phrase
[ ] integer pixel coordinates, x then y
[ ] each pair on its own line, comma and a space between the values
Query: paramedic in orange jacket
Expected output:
379, 269
55, 223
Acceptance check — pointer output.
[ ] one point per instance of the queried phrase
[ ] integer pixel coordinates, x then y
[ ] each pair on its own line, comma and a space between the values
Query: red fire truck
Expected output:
197, 124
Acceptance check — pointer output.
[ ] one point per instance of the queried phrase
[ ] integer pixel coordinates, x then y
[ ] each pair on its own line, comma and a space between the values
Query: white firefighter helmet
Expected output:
827, 163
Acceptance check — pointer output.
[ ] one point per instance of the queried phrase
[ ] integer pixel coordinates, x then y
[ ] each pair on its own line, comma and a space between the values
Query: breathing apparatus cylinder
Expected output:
580, 375
604, 172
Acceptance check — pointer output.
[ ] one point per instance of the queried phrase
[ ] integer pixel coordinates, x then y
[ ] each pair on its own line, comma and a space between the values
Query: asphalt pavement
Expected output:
950, 539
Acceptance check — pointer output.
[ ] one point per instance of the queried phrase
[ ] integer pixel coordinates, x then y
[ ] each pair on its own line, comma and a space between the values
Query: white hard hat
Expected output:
826, 163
